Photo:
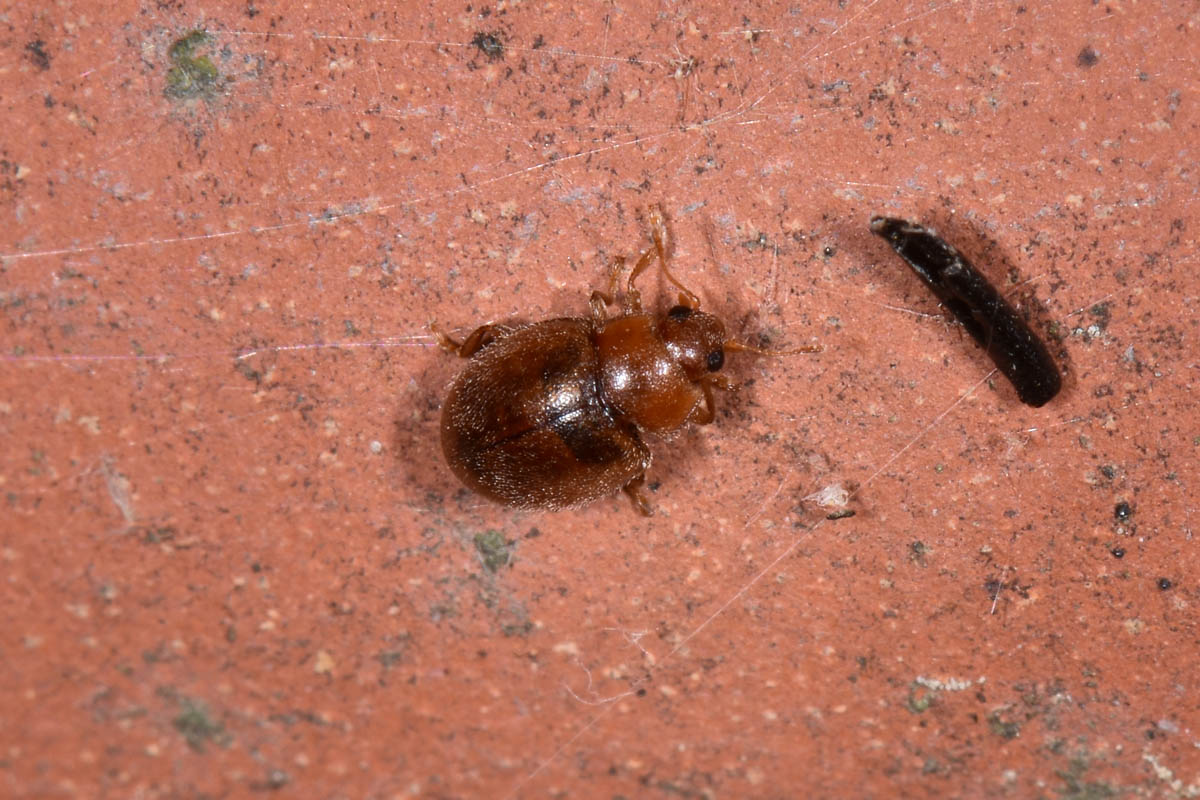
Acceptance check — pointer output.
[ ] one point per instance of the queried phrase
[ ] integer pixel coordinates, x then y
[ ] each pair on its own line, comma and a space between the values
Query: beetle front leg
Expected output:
633, 298
706, 412
662, 246
600, 301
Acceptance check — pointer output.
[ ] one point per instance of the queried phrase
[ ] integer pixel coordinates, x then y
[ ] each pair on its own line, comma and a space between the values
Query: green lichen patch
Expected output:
192, 73
1076, 788
1005, 729
920, 698
517, 629
494, 550
198, 726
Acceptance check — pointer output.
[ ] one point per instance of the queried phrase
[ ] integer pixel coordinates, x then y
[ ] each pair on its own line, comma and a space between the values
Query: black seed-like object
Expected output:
987, 316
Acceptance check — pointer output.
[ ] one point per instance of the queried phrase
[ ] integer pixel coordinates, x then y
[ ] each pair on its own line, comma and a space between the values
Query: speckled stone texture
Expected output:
234, 562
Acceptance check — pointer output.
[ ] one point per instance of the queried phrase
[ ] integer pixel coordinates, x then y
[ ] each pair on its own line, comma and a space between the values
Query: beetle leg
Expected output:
723, 382
614, 277
705, 412
599, 304
444, 341
662, 243
602, 300
633, 490
480, 338
633, 298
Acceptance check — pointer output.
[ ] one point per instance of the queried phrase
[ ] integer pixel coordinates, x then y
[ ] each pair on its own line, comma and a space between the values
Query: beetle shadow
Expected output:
416, 435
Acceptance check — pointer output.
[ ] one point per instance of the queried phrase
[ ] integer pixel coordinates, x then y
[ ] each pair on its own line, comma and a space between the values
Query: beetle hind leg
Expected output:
633, 490
480, 338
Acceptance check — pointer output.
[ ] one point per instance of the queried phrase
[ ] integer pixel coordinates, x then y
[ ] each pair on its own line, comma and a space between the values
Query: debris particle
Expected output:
324, 663
35, 51
490, 44
1088, 57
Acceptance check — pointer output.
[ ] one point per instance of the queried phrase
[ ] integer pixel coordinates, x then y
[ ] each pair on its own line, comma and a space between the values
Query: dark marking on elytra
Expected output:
590, 444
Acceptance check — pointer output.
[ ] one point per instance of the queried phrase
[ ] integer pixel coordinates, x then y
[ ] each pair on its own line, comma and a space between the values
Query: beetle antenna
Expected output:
738, 347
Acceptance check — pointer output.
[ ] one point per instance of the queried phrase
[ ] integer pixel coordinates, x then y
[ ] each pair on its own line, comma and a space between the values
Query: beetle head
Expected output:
694, 339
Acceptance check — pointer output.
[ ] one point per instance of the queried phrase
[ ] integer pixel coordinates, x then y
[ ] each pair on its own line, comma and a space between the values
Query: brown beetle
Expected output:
550, 414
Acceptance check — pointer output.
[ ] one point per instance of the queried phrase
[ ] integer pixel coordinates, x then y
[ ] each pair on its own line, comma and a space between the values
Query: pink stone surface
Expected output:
233, 560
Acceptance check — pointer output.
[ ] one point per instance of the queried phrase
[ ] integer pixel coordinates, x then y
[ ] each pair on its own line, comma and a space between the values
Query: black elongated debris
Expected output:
992, 322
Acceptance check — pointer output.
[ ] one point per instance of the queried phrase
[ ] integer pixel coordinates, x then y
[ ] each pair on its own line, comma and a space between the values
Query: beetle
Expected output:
550, 414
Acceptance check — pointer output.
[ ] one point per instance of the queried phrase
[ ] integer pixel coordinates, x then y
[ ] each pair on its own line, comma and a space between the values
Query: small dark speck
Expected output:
1164, 583
490, 44
36, 50
641, 692
829, 251
1087, 57
845, 513
1118, 552
1122, 511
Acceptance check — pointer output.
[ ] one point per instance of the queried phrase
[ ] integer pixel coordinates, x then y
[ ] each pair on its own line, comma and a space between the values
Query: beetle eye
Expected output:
679, 313
716, 360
